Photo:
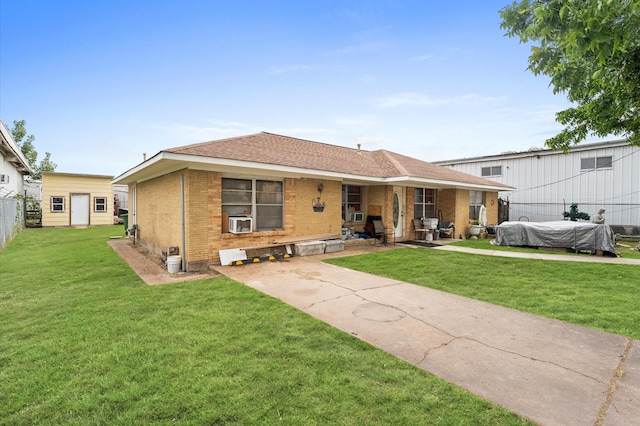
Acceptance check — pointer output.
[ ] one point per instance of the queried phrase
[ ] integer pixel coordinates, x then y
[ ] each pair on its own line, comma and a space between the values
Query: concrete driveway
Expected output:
548, 371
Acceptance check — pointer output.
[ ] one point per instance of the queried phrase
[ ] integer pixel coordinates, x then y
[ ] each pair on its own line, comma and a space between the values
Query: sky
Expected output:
99, 83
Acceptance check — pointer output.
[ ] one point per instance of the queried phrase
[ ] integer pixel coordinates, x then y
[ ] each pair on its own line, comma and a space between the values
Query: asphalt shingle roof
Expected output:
269, 148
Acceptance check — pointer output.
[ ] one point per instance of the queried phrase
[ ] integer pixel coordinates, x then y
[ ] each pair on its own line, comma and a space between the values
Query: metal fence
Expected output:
10, 221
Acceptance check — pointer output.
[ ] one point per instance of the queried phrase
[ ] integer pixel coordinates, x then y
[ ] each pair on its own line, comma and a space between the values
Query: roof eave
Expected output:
442, 183
18, 159
167, 162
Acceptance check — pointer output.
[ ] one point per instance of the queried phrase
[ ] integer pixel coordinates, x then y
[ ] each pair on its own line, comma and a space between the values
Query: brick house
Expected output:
291, 189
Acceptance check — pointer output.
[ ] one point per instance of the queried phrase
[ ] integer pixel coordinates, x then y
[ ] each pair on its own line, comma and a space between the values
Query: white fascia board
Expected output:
439, 184
168, 162
13, 146
237, 166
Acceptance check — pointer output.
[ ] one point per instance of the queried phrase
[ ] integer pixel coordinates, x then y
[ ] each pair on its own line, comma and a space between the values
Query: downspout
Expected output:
184, 257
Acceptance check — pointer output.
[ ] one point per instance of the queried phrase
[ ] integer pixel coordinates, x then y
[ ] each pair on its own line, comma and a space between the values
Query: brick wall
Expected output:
454, 204
299, 218
158, 213
491, 198
198, 218
308, 222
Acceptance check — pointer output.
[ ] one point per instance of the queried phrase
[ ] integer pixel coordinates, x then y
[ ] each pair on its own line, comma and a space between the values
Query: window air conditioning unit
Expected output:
356, 217
4, 178
240, 225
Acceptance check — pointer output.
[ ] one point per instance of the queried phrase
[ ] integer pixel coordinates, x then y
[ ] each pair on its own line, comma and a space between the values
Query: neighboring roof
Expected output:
535, 153
13, 154
268, 151
83, 175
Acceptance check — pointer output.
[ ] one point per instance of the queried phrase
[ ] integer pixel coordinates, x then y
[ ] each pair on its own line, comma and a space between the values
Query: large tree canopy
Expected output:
19, 134
591, 51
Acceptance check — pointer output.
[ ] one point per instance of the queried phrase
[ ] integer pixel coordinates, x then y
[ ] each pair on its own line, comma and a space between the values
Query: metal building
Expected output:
604, 175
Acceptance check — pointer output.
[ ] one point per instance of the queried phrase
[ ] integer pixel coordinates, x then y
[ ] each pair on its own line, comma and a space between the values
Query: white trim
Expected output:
13, 146
168, 162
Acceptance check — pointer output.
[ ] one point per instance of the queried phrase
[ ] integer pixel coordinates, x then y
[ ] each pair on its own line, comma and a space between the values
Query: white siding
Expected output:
548, 182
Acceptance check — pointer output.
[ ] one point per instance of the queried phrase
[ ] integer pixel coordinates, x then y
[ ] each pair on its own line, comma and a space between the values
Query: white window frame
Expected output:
96, 204
424, 205
349, 201
597, 163
62, 203
475, 203
491, 171
252, 204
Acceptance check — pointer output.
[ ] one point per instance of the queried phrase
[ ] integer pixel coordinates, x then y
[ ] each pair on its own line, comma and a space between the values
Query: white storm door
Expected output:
398, 211
79, 209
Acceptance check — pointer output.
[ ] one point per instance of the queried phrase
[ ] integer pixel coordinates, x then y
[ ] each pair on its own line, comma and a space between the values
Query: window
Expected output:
476, 200
351, 200
100, 204
57, 204
269, 202
261, 199
592, 163
492, 171
424, 203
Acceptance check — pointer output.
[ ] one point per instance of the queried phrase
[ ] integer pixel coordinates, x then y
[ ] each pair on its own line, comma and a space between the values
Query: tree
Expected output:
19, 134
591, 51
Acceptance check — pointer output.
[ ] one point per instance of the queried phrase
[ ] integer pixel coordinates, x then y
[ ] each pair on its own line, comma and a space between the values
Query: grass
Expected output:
601, 296
626, 249
85, 342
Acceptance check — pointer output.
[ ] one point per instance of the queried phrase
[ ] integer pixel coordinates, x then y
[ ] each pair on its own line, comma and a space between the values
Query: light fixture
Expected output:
318, 206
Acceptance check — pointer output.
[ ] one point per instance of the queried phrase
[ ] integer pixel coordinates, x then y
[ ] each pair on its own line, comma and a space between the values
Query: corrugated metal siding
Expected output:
548, 183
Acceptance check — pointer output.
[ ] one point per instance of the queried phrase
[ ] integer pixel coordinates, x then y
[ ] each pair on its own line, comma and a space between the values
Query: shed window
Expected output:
492, 171
100, 204
57, 204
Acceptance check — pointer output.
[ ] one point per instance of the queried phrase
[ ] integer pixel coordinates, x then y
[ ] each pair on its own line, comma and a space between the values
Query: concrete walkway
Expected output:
543, 256
550, 372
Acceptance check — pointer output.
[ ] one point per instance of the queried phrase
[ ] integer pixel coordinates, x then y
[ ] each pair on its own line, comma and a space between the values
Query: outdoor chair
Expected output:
446, 229
419, 227
379, 231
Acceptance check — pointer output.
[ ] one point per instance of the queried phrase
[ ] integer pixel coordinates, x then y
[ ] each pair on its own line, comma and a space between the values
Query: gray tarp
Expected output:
578, 236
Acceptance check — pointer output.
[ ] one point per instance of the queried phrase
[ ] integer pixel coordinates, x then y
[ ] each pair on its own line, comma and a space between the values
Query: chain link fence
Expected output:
10, 220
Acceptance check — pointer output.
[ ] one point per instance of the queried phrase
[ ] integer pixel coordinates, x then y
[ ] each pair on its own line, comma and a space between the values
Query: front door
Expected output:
79, 209
398, 211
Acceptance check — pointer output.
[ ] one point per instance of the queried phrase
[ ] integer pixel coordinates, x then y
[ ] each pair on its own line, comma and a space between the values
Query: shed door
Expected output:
79, 209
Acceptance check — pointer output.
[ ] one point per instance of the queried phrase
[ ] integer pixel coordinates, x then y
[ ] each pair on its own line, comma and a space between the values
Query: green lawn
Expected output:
626, 249
602, 296
83, 341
